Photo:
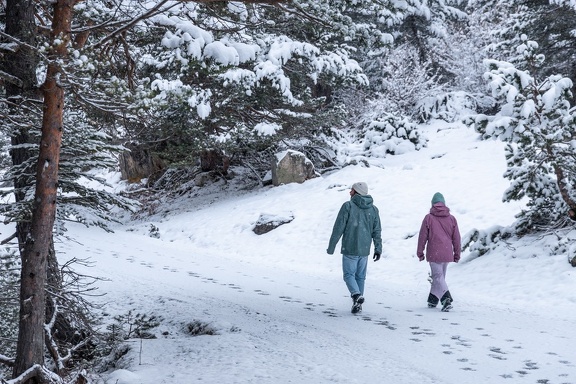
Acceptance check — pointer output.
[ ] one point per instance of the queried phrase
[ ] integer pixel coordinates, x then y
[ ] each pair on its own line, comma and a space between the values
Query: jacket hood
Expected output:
362, 201
439, 209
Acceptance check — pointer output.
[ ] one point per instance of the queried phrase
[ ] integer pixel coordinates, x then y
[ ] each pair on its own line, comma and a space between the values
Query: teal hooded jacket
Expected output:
358, 223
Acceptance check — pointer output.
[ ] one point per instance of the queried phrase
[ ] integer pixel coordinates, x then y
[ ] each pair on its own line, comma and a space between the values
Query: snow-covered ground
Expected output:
280, 310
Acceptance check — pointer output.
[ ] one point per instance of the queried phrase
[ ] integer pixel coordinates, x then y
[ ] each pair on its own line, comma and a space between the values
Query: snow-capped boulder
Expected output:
267, 222
291, 167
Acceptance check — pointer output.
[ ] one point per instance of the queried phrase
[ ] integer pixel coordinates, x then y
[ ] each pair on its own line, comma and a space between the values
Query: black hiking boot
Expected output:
432, 301
447, 305
446, 302
357, 305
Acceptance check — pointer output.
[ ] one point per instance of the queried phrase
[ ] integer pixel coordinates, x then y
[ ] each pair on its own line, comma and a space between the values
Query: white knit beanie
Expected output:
361, 188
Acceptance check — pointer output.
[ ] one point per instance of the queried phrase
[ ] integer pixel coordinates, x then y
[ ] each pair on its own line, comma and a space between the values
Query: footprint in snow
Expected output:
498, 353
467, 368
331, 312
530, 365
387, 324
424, 332
497, 350
289, 299
234, 286
309, 306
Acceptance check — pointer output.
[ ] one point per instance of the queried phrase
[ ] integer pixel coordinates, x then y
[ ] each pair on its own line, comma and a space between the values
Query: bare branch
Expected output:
6, 361
50, 342
9, 239
151, 12
25, 376
9, 47
68, 356
301, 12
11, 79
15, 40
45, 375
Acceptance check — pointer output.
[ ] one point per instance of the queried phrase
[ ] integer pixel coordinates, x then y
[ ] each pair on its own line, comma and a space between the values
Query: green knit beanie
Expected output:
438, 198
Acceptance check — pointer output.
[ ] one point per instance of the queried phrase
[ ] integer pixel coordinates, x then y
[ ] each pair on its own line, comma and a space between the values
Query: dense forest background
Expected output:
170, 90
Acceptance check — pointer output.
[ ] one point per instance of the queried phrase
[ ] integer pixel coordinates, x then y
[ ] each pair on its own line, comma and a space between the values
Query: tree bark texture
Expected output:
22, 65
563, 187
30, 348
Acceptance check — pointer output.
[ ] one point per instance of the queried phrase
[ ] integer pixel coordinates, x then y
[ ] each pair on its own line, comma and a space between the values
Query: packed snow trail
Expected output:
279, 325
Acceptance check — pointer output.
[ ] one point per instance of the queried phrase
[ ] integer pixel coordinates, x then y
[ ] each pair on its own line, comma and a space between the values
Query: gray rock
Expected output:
291, 167
267, 222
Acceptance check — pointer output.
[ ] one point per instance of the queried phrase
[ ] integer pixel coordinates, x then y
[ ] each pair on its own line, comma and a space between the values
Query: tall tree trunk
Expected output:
37, 238
563, 186
25, 95
21, 65
30, 348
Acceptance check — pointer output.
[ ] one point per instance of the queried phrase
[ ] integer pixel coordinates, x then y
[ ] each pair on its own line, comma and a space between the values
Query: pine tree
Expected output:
552, 23
238, 82
539, 126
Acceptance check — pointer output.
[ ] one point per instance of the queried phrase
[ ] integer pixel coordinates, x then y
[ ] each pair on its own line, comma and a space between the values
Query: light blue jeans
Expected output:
354, 268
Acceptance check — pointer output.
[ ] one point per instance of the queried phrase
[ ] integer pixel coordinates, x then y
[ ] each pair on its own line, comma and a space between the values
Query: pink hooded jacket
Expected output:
440, 235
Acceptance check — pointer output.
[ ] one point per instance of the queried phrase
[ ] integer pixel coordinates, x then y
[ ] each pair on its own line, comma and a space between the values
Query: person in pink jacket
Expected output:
440, 235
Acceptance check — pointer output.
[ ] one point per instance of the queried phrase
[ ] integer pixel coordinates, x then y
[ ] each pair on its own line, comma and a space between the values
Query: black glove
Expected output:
376, 256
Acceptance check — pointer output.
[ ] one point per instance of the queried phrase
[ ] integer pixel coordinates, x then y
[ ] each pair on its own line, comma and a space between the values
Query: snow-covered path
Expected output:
280, 326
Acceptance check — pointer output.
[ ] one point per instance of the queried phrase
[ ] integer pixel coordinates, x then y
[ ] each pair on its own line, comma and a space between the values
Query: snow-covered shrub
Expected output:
154, 232
567, 246
376, 135
199, 328
391, 134
480, 242
133, 325
451, 106
401, 80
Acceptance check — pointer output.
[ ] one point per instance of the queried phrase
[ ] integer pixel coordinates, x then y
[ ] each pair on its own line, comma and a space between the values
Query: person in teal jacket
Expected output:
358, 224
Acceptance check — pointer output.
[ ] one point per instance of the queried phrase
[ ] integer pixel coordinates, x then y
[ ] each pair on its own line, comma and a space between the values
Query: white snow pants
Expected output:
439, 286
